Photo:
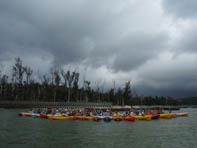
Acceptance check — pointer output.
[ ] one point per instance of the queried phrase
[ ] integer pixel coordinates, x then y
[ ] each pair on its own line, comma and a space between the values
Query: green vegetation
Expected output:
60, 85
188, 101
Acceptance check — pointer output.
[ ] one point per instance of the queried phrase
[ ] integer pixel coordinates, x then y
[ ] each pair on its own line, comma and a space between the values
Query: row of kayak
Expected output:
106, 118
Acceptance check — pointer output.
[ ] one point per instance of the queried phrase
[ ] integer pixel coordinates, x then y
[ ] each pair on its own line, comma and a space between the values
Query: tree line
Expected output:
63, 86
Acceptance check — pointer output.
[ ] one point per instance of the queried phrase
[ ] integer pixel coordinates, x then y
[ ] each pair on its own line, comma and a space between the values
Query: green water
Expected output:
27, 132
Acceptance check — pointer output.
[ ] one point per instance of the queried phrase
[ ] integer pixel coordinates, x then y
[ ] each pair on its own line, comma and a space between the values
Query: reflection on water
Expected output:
30, 132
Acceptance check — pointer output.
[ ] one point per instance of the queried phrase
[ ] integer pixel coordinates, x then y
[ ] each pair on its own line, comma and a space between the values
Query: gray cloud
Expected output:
170, 74
187, 41
63, 28
113, 39
137, 48
181, 9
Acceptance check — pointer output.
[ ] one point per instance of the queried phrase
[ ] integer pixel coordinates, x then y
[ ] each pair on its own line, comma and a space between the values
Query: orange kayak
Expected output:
182, 114
25, 114
117, 118
78, 117
59, 117
88, 118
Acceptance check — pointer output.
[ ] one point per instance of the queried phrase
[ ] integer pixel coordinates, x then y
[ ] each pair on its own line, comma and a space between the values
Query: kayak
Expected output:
88, 118
43, 116
96, 118
59, 117
25, 114
129, 119
117, 118
148, 117
153, 117
139, 117
165, 116
101, 117
78, 117
74, 117
35, 115
182, 114
173, 115
107, 118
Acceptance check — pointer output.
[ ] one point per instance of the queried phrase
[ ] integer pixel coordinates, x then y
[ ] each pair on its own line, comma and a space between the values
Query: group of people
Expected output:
95, 112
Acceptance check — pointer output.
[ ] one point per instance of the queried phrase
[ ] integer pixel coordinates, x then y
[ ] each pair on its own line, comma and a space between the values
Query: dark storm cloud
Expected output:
169, 74
181, 8
137, 48
26, 25
176, 92
73, 31
112, 39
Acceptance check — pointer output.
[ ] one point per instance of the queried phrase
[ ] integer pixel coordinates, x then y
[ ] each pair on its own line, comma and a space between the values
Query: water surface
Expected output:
27, 132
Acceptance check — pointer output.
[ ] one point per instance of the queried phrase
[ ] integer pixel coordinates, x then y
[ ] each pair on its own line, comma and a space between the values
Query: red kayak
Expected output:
155, 117
130, 119
20, 114
43, 116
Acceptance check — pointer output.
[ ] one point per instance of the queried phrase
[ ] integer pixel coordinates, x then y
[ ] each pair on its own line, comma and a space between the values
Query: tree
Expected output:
111, 95
49, 88
45, 86
28, 72
63, 73
45, 80
3, 86
57, 82
27, 88
127, 94
119, 96
76, 86
87, 90
98, 90
70, 78
55, 79
18, 70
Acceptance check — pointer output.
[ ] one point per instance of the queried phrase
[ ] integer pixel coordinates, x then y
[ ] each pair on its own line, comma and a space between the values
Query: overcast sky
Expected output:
152, 43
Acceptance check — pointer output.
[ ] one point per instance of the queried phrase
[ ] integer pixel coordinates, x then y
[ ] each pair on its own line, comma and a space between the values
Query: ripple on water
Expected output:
40, 133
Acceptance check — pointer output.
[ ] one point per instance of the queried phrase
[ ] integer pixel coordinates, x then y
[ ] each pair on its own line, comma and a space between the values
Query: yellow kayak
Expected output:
88, 118
74, 117
148, 117
83, 117
165, 116
79, 117
126, 117
139, 117
117, 118
173, 115
59, 117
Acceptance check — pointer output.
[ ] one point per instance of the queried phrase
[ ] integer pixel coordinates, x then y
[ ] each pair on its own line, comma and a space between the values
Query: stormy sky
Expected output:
152, 43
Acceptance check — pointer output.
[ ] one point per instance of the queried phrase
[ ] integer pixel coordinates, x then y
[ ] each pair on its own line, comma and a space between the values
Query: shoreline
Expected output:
82, 105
